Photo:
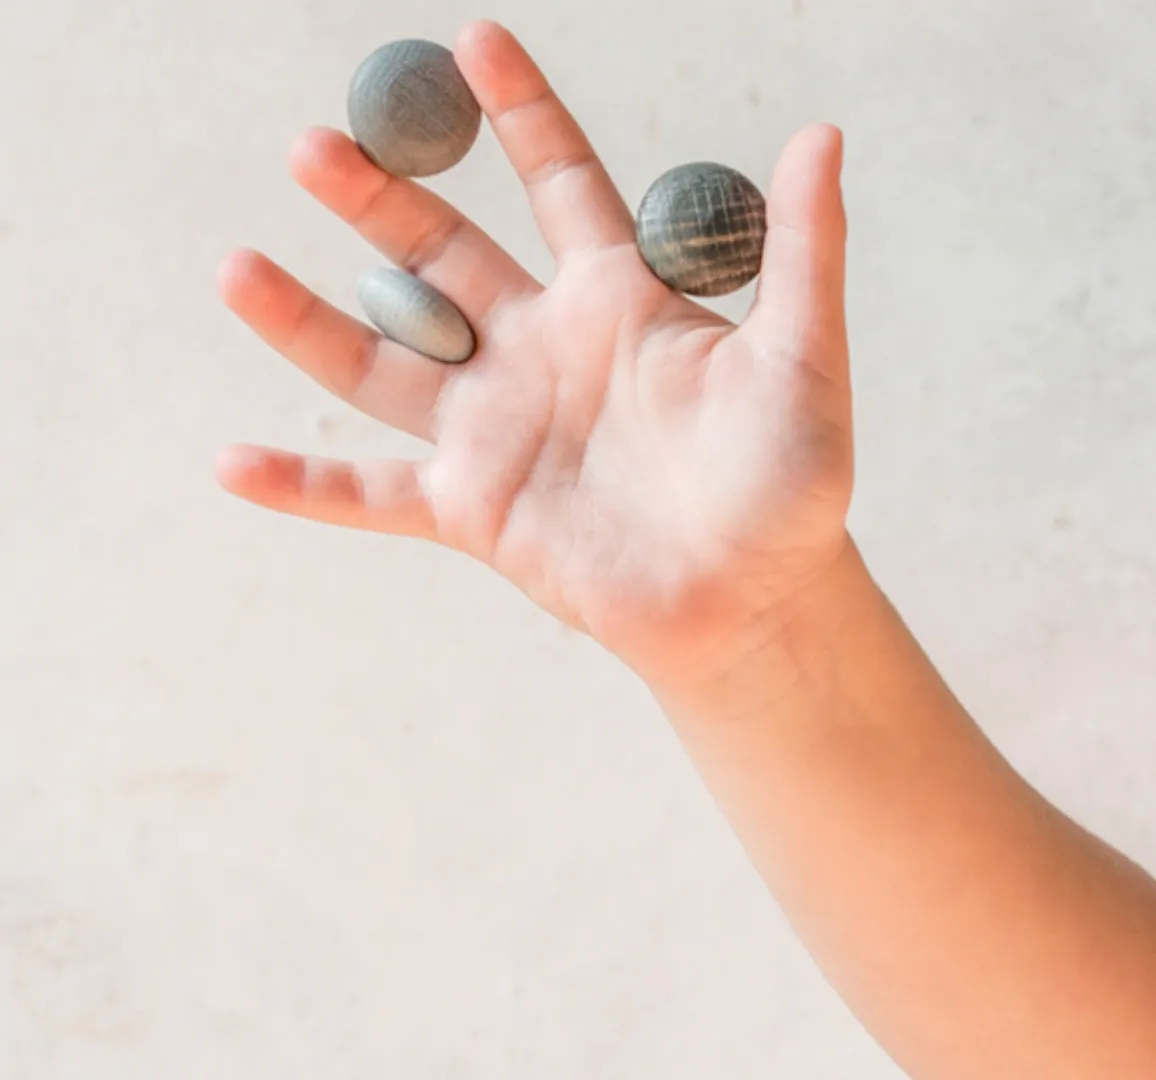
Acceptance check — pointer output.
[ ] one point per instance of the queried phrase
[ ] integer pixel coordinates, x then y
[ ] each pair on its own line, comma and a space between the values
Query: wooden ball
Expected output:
702, 229
411, 110
407, 310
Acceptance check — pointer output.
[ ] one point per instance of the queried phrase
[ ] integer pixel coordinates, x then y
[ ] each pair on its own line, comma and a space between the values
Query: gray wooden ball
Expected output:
411, 110
407, 310
702, 229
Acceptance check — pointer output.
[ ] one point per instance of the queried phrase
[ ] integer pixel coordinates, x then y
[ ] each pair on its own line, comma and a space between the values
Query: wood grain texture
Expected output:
411, 110
702, 228
407, 310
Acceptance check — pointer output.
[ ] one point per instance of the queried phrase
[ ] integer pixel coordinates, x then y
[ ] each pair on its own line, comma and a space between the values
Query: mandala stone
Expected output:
407, 310
411, 111
702, 229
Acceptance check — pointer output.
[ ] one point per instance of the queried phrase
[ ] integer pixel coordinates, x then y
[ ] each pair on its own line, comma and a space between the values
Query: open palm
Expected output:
642, 468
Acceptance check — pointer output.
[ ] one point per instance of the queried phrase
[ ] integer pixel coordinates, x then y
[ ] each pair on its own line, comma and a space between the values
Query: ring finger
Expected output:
383, 379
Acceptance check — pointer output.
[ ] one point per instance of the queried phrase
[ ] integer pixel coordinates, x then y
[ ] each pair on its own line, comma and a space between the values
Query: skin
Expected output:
677, 487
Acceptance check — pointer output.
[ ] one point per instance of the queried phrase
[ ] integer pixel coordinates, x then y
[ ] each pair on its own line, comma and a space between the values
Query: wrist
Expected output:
780, 652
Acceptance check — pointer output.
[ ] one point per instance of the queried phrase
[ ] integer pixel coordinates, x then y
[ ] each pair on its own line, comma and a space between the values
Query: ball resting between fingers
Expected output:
702, 229
411, 110
407, 310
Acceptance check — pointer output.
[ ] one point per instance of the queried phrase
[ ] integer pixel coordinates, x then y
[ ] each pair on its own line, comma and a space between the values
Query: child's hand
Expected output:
643, 469
677, 487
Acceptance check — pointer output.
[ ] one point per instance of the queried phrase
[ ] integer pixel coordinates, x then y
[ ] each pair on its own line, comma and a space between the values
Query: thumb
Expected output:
799, 307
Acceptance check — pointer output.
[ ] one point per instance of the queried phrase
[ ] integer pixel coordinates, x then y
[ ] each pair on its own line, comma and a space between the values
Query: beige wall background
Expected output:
278, 801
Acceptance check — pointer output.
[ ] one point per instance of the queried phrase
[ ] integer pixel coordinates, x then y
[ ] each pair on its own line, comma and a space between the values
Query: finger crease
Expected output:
361, 363
356, 488
541, 98
308, 310
551, 169
432, 245
372, 207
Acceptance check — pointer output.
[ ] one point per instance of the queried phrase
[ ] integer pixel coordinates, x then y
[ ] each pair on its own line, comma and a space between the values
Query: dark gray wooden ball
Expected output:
411, 110
702, 229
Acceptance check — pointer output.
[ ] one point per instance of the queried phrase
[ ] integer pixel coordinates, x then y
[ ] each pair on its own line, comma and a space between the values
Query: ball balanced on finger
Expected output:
411, 110
702, 229
407, 310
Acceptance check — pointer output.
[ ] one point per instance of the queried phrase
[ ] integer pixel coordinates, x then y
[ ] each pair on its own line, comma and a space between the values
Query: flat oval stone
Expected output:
702, 229
411, 110
407, 310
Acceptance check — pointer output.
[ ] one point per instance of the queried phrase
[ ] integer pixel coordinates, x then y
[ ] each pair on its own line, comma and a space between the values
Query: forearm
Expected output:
974, 929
